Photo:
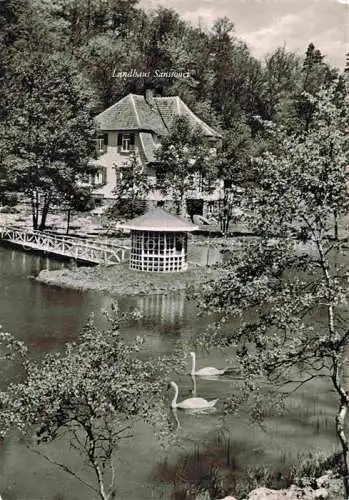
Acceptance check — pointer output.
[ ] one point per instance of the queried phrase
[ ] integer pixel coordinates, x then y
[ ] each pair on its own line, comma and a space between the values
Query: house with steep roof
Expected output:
136, 124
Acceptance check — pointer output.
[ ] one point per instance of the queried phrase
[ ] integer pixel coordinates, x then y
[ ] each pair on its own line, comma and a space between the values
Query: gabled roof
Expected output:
158, 219
157, 115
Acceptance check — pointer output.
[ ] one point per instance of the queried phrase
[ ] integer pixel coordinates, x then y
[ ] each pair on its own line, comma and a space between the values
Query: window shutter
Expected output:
104, 175
132, 139
119, 139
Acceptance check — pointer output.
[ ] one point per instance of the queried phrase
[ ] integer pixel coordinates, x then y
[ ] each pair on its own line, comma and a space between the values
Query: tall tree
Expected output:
237, 77
277, 286
163, 22
49, 131
233, 167
102, 58
222, 47
316, 73
81, 20
132, 187
184, 163
282, 80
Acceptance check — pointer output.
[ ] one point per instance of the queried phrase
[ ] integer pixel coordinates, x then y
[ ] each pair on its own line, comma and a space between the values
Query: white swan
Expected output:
207, 371
190, 403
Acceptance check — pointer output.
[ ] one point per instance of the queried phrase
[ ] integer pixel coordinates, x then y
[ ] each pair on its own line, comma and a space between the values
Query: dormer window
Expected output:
126, 142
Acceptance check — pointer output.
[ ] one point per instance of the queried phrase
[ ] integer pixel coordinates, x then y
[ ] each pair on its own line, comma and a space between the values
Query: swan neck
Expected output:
174, 400
193, 363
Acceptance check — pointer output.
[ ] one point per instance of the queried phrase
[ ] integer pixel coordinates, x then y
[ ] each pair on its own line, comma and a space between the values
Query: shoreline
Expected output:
119, 280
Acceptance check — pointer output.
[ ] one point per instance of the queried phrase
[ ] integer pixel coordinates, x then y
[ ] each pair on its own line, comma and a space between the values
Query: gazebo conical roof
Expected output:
160, 220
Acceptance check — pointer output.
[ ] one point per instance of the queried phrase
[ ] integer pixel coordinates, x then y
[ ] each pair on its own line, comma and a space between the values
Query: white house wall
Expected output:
112, 159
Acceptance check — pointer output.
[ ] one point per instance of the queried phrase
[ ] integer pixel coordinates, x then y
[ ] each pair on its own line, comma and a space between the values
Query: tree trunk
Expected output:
335, 225
224, 214
181, 206
102, 493
35, 209
336, 375
340, 419
68, 220
91, 453
44, 213
225, 221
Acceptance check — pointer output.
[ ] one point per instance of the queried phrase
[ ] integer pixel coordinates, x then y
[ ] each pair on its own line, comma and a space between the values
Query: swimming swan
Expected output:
208, 370
190, 403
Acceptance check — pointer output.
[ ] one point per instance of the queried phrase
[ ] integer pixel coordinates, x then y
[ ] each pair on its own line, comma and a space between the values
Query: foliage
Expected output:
49, 131
77, 198
316, 73
237, 86
281, 82
125, 209
185, 160
293, 272
89, 396
132, 186
224, 77
233, 167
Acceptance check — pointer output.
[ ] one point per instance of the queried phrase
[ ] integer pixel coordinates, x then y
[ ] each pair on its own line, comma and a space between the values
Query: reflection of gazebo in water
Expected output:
165, 310
159, 242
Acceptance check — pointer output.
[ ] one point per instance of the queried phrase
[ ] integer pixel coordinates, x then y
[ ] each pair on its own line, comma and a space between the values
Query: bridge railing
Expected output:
95, 251
102, 241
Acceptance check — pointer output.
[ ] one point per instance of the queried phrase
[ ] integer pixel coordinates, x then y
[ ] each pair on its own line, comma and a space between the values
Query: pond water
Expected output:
47, 317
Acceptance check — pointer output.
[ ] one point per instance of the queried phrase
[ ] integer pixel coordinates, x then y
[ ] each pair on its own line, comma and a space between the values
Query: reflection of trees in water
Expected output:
214, 466
219, 467
26, 261
53, 317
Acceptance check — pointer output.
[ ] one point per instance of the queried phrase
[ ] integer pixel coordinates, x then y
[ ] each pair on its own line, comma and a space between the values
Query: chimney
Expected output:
149, 95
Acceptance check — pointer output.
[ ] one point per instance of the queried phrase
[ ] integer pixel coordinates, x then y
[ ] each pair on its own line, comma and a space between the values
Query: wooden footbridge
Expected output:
96, 251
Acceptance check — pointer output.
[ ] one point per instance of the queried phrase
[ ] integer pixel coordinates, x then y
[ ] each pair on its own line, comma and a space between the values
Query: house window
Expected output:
102, 143
99, 178
210, 208
126, 142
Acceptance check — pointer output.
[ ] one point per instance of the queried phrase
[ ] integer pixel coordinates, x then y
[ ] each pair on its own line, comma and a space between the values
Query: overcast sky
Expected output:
267, 24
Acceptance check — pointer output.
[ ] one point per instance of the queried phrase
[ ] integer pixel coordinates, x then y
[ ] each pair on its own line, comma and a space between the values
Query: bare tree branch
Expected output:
63, 467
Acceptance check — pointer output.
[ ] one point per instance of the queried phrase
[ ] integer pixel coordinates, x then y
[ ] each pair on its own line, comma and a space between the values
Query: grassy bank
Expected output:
120, 280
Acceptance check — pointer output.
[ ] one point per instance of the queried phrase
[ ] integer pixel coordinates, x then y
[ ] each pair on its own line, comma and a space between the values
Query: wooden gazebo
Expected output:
159, 242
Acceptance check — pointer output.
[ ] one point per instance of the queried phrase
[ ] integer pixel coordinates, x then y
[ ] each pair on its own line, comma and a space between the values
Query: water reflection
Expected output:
193, 391
216, 465
47, 317
44, 317
163, 318
175, 416
162, 309
26, 262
